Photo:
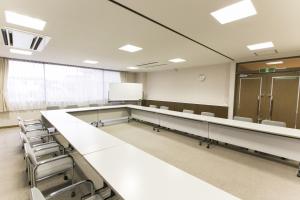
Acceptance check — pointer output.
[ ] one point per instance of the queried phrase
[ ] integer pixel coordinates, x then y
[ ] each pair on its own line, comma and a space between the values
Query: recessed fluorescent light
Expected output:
274, 62
264, 45
22, 52
23, 20
93, 62
177, 60
239, 10
130, 48
132, 67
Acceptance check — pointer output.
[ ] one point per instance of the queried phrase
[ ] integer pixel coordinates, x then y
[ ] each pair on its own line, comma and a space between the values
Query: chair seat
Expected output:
31, 140
53, 167
36, 133
95, 197
47, 149
34, 126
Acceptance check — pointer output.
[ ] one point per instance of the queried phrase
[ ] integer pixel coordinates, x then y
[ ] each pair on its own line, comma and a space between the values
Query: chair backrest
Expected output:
19, 118
22, 126
188, 111
93, 105
210, 114
72, 106
30, 153
244, 119
24, 138
35, 194
153, 106
164, 107
52, 107
273, 123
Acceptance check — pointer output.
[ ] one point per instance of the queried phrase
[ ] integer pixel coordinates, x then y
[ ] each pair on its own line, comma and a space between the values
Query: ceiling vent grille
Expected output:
150, 65
24, 40
266, 52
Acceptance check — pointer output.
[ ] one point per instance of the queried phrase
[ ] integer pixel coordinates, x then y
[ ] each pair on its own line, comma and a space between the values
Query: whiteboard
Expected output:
125, 91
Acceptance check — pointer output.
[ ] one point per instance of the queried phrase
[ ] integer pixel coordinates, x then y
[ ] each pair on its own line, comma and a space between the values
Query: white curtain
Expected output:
110, 77
36, 85
73, 85
25, 86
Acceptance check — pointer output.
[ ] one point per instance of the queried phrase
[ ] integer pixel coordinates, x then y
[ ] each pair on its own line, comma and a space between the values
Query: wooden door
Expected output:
284, 99
249, 97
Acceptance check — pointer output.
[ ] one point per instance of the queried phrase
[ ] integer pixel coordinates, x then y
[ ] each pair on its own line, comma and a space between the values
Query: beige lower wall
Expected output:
10, 118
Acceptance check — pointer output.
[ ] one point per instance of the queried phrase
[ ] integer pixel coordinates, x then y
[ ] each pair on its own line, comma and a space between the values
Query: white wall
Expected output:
183, 85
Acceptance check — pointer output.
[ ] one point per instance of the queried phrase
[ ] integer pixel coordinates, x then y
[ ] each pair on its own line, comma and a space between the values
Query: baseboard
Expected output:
9, 126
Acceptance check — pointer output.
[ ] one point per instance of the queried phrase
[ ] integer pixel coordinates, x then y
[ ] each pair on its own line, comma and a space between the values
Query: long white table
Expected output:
82, 136
130, 172
278, 141
136, 175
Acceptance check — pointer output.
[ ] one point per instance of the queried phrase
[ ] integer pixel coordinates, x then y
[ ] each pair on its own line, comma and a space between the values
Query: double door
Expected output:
269, 96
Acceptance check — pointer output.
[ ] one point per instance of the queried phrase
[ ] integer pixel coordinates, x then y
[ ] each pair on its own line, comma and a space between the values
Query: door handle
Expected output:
271, 107
258, 108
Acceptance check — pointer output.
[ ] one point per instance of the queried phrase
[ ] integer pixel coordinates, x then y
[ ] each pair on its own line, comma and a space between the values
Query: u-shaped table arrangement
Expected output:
135, 174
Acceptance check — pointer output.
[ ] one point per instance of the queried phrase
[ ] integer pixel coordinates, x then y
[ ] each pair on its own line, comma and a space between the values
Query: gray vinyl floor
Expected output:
242, 174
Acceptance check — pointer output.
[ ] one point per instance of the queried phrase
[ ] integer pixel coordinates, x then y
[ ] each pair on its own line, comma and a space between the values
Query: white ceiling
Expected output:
95, 29
276, 20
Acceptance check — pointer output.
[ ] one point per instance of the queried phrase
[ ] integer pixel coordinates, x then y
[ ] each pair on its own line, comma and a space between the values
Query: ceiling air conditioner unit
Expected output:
24, 40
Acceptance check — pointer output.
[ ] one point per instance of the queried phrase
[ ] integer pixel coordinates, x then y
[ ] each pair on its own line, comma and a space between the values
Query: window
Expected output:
110, 77
25, 85
73, 85
35, 85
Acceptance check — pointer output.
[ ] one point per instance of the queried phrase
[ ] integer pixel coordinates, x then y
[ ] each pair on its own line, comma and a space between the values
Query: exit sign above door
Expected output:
267, 70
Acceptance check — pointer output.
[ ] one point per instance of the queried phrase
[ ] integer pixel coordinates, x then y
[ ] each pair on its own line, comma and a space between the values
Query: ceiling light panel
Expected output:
275, 62
21, 52
258, 46
93, 62
132, 67
130, 48
25, 21
177, 60
237, 11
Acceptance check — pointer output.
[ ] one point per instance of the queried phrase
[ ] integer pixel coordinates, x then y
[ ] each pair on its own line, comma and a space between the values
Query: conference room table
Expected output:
130, 172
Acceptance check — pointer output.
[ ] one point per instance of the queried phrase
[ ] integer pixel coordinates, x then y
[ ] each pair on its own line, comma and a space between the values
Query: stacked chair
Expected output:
46, 158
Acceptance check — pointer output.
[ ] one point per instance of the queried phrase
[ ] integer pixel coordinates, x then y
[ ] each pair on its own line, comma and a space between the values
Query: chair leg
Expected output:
209, 143
73, 173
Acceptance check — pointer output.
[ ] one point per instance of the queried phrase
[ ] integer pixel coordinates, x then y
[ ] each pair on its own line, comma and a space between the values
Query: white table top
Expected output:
137, 175
274, 130
82, 136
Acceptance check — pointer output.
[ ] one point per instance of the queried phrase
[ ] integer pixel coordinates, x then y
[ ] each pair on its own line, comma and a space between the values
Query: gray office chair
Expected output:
153, 106
35, 193
273, 123
164, 107
30, 122
46, 148
188, 111
94, 105
41, 170
71, 106
37, 140
244, 119
52, 107
209, 114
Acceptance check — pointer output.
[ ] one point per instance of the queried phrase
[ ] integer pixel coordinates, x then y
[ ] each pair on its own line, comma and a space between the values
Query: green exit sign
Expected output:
267, 70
